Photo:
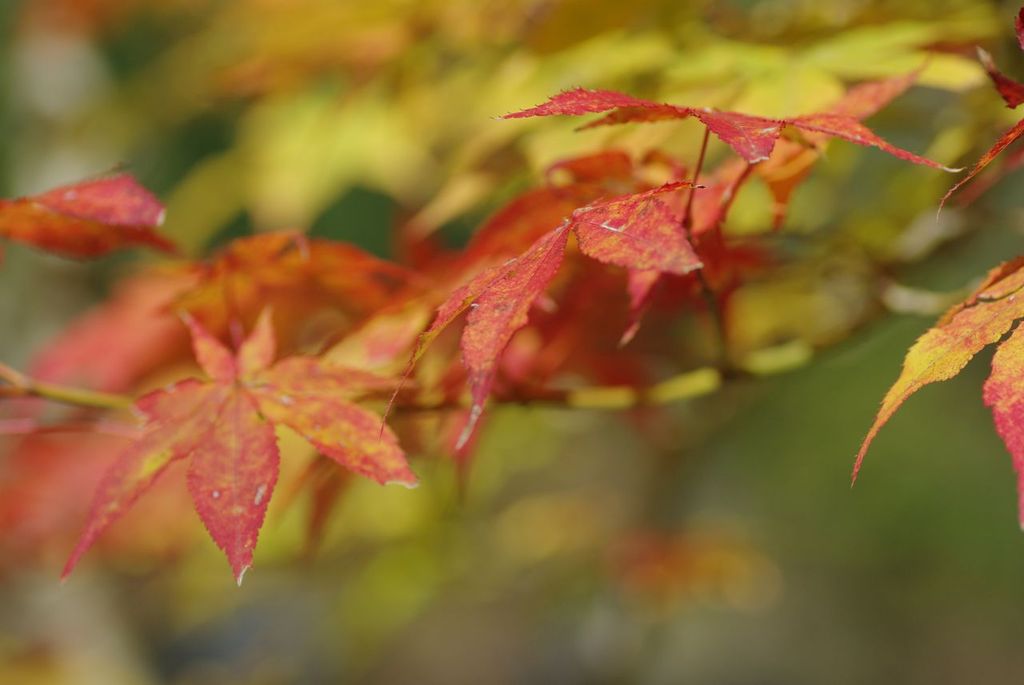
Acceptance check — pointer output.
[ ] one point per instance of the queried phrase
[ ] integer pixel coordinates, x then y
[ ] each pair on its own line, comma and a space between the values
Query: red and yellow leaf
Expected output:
944, 351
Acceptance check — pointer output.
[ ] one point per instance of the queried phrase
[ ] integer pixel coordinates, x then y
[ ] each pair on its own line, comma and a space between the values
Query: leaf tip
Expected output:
240, 574
187, 318
628, 334
76, 554
475, 412
859, 460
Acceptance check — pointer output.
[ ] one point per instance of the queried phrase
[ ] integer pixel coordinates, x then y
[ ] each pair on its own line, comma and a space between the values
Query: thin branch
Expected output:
684, 386
20, 385
688, 212
30, 426
710, 299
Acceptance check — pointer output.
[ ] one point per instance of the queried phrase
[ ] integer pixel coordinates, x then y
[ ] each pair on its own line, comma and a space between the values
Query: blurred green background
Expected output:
717, 542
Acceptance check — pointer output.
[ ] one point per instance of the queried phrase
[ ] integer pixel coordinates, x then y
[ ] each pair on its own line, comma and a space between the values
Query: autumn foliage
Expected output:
549, 300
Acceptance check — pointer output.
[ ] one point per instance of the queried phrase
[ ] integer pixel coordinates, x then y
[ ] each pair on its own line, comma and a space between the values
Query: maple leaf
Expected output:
944, 350
751, 137
86, 219
224, 427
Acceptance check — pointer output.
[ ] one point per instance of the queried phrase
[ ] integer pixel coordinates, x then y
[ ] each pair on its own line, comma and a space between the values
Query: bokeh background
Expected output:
714, 542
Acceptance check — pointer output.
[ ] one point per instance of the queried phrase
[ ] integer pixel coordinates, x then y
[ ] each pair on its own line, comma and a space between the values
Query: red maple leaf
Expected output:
86, 219
224, 427
752, 137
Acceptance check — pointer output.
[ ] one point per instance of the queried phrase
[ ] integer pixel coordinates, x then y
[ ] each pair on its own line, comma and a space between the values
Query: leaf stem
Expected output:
710, 299
30, 426
688, 212
20, 385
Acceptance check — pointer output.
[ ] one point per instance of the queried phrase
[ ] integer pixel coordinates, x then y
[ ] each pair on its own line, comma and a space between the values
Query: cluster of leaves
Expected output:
551, 288
655, 222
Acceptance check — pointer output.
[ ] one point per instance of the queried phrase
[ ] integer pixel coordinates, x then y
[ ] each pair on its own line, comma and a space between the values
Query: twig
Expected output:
684, 386
710, 299
687, 385
30, 426
20, 385
688, 212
